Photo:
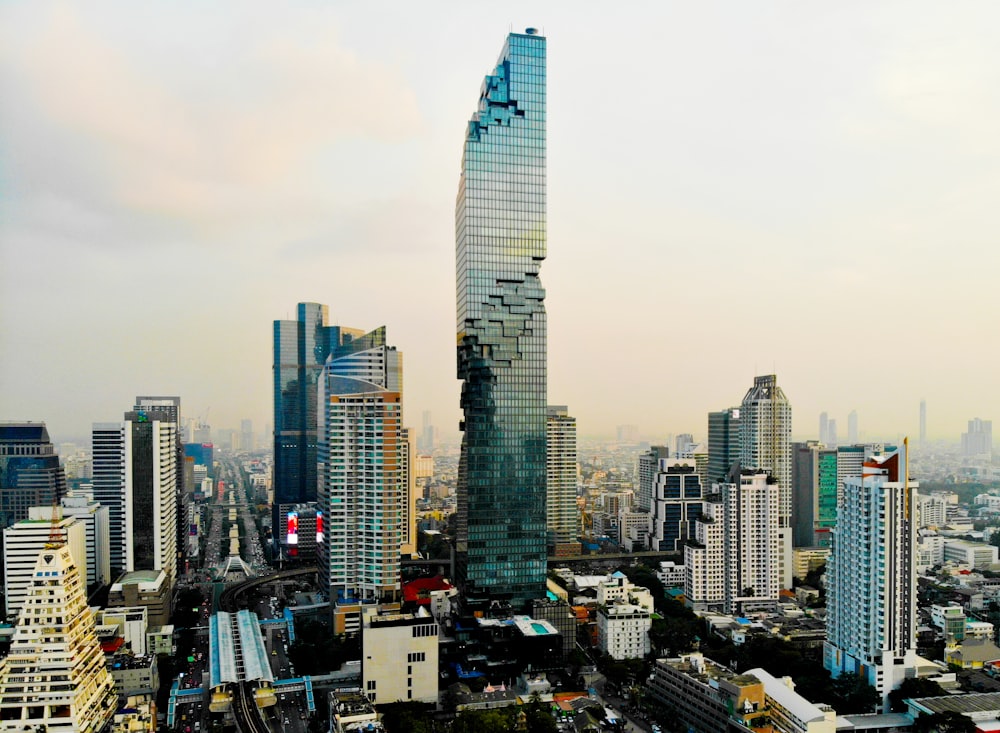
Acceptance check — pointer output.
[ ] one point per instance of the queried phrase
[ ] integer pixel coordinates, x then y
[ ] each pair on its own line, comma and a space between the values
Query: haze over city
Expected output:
733, 190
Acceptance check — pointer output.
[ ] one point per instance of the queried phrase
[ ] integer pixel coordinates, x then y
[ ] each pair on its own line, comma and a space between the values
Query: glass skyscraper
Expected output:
301, 347
499, 246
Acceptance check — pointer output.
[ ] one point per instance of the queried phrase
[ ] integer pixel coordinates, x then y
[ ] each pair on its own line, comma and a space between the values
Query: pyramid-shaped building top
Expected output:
55, 678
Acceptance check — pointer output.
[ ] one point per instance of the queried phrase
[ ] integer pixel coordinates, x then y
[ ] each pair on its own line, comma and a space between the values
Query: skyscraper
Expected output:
560, 446
852, 427
677, 503
500, 233
723, 442
362, 469
30, 474
135, 476
301, 348
824, 427
978, 441
766, 443
246, 435
814, 493
871, 579
649, 465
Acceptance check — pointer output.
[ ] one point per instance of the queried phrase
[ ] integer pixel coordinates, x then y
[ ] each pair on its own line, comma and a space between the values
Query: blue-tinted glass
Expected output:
500, 245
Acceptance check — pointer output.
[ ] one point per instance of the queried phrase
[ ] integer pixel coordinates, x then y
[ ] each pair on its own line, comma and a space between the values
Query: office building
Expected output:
247, 441
735, 564
24, 541
135, 477
428, 434
824, 428
301, 348
852, 427
97, 530
723, 443
648, 465
408, 539
362, 461
677, 499
54, 679
978, 441
851, 460
814, 494
561, 469
30, 474
871, 579
500, 245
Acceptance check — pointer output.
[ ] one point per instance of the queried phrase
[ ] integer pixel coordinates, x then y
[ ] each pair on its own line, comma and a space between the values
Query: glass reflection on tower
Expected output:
500, 244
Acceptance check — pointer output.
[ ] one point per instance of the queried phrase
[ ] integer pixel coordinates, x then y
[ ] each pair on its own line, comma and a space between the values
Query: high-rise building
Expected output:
824, 428
301, 348
723, 443
427, 435
871, 579
500, 245
22, 543
852, 427
851, 460
684, 443
766, 436
677, 504
560, 446
648, 465
923, 422
734, 565
135, 476
362, 470
627, 433
246, 435
97, 528
30, 474
978, 441
814, 494
831, 434
56, 652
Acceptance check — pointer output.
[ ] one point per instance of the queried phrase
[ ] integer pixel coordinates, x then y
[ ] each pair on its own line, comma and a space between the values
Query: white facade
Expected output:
362, 470
132, 625
23, 543
392, 643
871, 578
974, 554
623, 630
619, 589
561, 473
736, 564
96, 522
933, 511
766, 437
671, 574
55, 678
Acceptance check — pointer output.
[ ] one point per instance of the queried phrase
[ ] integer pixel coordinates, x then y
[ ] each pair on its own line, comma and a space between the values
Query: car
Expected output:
274, 652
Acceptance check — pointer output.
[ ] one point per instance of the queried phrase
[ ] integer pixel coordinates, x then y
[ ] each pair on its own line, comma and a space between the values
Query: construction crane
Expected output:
56, 540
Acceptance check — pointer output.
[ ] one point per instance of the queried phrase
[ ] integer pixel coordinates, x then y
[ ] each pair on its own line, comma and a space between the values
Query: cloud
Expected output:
196, 136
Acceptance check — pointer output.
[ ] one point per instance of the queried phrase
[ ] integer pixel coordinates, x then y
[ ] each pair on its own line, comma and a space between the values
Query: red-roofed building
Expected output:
419, 591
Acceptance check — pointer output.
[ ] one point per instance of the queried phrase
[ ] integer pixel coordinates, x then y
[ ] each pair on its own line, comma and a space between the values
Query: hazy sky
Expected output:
810, 189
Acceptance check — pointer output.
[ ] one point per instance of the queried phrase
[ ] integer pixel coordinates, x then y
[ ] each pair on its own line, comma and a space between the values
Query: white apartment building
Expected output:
362, 470
671, 574
24, 542
974, 554
96, 523
623, 630
871, 578
619, 589
392, 642
933, 511
735, 566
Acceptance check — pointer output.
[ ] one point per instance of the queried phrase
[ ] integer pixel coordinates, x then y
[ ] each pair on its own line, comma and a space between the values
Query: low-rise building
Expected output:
974, 554
393, 642
149, 588
134, 675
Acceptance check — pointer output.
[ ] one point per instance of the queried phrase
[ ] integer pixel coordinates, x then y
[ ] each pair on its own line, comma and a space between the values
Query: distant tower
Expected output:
871, 578
831, 434
684, 443
362, 470
246, 435
30, 474
978, 441
852, 427
55, 650
824, 428
723, 443
923, 422
560, 485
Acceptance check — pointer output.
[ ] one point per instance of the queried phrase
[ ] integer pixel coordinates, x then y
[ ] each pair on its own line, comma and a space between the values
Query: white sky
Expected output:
735, 188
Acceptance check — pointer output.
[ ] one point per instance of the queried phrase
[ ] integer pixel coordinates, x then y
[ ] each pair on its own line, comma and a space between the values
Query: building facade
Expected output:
301, 348
871, 578
814, 494
362, 470
647, 466
723, 443
560, 482
392, 642
677, 500
500, 244
30, 474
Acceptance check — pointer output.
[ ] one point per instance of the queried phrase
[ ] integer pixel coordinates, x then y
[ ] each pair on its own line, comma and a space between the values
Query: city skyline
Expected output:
708, 154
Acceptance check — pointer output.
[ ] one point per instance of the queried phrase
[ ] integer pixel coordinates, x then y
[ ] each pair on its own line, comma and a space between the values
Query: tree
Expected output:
946, 722
500, 720
913, 687
852, 695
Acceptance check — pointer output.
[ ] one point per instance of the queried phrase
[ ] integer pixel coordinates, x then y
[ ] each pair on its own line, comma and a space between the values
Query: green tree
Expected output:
500, 720
852, 695
409, 717
913, 687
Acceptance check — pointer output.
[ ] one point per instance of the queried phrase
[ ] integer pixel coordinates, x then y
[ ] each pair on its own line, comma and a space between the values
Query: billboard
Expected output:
319, 526
292, 534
